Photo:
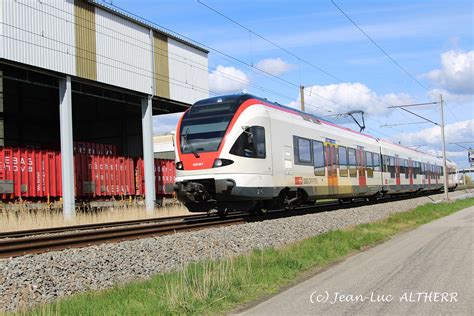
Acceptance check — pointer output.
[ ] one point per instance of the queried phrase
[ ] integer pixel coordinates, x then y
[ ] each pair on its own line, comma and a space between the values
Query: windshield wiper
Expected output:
185, 138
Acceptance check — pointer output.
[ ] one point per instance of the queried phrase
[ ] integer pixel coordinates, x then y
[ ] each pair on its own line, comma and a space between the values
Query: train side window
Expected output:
352, 162
343, 161
370, 164
405, 162
391, 167
319, 159
402, 165
376, 161
302, 148
386, 163
251, 143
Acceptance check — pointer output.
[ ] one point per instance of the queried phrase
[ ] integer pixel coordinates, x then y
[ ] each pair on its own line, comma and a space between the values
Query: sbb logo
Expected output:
298, 180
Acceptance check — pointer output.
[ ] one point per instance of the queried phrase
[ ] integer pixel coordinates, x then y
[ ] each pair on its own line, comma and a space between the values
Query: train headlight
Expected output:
179, 165
222, 162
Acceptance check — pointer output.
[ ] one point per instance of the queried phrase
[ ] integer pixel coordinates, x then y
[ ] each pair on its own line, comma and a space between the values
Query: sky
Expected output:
431, 40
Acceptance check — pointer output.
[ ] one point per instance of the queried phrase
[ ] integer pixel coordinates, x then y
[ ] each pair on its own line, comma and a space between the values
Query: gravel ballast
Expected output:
36, 279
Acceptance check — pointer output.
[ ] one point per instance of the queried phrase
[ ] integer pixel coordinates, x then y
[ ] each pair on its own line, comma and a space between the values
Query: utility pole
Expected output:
302, 97
441, 103
445, 169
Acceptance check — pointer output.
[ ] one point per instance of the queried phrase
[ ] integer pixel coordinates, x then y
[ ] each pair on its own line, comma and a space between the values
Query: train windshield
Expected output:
205, 124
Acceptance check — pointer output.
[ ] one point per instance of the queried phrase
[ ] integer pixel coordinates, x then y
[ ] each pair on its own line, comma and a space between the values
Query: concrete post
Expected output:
445, 178
2, 131
67, 156
302, 98
148, 158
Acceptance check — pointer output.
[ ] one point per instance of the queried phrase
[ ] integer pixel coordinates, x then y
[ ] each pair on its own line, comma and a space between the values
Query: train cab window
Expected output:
251, 143
302, 148
352, 162
376, 161
370, 164
319, 159
343, 169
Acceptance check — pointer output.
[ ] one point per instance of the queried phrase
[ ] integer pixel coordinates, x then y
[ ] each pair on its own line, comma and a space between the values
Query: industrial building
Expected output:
74, 70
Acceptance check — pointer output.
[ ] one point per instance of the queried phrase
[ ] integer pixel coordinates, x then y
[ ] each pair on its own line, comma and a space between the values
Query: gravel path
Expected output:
36, 279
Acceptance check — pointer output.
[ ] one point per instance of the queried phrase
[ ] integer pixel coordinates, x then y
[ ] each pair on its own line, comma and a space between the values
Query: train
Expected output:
100, 174
244, 153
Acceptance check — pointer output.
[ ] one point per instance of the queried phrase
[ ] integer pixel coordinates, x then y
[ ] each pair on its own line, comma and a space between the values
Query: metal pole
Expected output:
148, 159
445, 173
302, 97
67, 156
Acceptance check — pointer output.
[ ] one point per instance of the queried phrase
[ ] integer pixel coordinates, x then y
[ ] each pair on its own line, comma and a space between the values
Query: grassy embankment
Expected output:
219, 286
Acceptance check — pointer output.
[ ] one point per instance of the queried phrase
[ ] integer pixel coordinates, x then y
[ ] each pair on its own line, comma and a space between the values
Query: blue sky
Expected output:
433, 40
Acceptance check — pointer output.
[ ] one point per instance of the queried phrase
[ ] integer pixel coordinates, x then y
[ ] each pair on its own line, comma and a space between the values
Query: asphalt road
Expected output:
428, 271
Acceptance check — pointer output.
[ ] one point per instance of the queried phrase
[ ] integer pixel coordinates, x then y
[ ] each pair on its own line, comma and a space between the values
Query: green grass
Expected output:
219, 286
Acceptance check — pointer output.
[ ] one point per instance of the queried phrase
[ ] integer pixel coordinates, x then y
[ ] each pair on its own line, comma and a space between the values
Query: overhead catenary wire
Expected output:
210, 48
300, 59
177, 82
379, 47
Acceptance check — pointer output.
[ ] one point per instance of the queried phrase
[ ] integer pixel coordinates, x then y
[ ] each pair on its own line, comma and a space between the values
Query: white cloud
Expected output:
451, 98
455, 132
274, 66
166, 123
227, 80
347, 97
456, 74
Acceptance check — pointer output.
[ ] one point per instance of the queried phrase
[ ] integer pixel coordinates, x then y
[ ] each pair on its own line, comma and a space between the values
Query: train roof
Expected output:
242, 97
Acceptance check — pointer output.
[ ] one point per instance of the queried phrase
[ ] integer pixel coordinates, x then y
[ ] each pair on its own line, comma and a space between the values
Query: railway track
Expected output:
13, 244
13, 247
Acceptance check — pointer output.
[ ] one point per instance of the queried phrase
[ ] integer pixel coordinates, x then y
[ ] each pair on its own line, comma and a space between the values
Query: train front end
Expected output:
221, 154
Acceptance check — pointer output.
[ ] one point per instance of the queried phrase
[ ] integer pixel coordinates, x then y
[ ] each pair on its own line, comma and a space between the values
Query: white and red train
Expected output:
240, 152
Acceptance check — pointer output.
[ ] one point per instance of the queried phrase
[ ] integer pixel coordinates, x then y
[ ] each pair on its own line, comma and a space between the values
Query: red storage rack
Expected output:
28, 173
165, 174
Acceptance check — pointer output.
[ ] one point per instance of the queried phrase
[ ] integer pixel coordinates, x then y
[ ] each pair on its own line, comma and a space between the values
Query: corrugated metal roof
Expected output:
130, 16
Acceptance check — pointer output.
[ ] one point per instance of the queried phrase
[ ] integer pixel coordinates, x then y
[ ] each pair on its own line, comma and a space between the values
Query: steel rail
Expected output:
44, 243
60, 229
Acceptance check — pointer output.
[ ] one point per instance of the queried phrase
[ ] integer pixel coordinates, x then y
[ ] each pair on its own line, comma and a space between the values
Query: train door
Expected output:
331, 165
361, 166
428, 175
410, 172
397, 170
288, 160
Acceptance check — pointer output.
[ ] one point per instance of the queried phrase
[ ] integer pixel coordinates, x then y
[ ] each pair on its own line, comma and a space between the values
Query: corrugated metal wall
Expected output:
161, 71
86, 64
40, 33
1, 28
78, 38
189, 78
124, 53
